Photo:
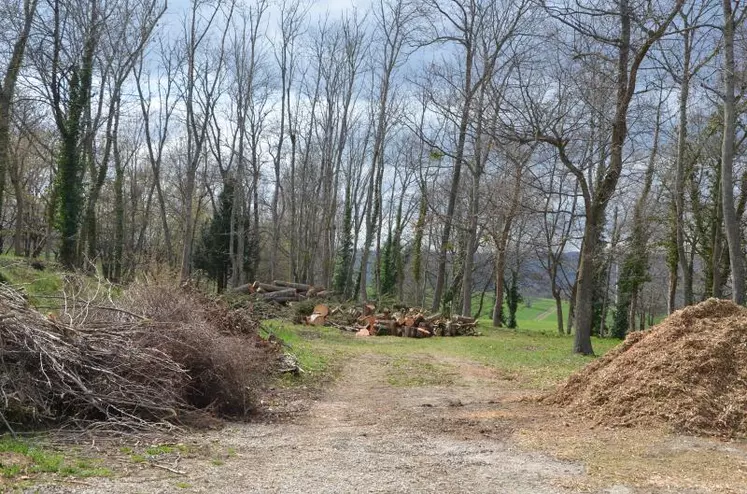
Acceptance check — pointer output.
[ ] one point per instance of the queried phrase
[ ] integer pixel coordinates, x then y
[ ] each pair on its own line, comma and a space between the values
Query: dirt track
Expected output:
366, 435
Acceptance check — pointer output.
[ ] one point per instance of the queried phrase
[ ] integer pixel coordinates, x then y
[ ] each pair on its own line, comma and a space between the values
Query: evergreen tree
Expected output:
388, 267
633, 274
344, 262
213, 251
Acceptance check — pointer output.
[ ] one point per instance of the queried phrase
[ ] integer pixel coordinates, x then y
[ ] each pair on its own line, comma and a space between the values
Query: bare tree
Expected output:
200, 87
394, 23
631, 53
8, 87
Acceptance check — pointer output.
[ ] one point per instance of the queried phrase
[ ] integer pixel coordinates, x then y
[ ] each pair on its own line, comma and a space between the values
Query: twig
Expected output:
100, 307
172, 470
77, 482
5, 421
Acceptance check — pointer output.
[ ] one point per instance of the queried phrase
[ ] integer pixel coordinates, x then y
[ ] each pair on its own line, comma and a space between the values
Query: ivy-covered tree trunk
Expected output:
70, 165
417, 248
513, 299
635, 263
672, 260
119, 214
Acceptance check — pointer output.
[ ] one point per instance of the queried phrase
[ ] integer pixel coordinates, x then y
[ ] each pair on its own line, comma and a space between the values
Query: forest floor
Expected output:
391, 414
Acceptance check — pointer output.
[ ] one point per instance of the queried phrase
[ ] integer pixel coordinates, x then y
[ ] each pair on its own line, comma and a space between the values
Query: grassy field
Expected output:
536, 356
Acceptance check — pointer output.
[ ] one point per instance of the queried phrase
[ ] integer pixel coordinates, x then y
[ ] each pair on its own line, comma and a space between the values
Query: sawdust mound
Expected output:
688, 372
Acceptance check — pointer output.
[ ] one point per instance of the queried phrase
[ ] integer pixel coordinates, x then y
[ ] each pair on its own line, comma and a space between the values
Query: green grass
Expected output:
25, 457
165, 449
534, 313
540, 358
36, 283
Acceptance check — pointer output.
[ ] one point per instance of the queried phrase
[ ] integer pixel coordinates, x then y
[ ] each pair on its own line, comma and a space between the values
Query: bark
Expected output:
731, 222
679, 189
501, 241
558, 309
197, 121
119, 213
7, 92
455, 180
672, 263
627, 71
394, 42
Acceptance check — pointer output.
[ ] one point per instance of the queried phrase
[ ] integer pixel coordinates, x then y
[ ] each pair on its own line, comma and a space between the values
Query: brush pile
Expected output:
283, 291
406, 322
161, 357
689, 372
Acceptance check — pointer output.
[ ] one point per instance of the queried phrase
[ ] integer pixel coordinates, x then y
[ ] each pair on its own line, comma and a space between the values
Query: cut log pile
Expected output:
283, 291
411, 323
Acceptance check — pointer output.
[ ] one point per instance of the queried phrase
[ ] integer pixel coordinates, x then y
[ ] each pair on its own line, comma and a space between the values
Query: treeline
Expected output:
385, 151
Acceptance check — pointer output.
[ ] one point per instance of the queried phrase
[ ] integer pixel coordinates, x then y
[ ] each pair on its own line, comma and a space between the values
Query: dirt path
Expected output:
373, 431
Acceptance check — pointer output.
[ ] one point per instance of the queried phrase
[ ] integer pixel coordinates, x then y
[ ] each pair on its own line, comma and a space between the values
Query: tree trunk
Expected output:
119, 213
679, 187
585, 287
7, 92
731, 222
471, 246
18, 235
558, 309
500, 268
672, 262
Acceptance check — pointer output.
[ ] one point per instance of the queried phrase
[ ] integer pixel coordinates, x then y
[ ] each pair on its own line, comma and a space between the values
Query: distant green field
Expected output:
537, 314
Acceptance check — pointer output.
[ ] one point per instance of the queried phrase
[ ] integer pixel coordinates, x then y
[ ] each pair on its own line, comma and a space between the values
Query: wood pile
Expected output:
283, 291
410, 323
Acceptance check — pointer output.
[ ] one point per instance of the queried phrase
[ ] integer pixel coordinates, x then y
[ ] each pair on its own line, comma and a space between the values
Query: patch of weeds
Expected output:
138, 458
231, 452
183, 485
406, 372
217, 462
21, 457
161, 449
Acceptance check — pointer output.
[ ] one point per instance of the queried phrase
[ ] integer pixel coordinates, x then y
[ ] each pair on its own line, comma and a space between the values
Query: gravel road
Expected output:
366, 435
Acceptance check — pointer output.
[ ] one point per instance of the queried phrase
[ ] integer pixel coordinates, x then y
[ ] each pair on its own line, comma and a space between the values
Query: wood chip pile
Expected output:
411, 323
688, 372
283, 291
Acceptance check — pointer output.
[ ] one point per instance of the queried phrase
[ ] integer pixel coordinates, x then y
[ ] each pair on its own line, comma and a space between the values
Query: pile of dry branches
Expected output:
156, 359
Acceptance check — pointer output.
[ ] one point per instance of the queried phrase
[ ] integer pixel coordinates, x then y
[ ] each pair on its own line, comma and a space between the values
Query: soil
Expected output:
476, 431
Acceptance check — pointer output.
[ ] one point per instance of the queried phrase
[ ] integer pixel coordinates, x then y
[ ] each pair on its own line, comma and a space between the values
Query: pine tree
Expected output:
389, 267
344, 262
213, 251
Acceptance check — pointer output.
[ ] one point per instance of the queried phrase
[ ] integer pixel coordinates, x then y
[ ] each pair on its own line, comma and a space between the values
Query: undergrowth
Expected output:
26, 458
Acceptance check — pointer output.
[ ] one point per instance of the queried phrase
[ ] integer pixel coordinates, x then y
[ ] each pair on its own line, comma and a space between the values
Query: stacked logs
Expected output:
410, 323
283, 291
